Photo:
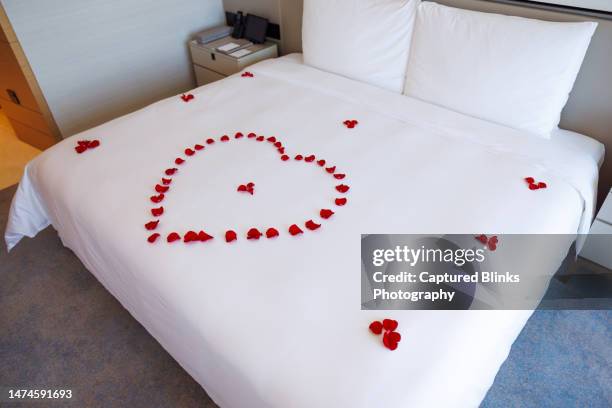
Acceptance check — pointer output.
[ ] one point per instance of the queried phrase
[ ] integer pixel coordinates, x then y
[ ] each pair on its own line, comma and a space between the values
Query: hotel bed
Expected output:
277, 322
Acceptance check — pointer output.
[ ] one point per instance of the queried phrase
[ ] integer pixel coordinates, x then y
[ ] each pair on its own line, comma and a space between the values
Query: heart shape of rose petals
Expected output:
254, 233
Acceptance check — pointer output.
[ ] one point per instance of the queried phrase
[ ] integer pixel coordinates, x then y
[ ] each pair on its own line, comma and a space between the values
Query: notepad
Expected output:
240, 53
228, 47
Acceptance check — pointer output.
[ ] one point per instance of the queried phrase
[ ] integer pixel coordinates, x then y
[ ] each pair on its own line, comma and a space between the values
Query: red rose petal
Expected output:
299, 157
271, 233
284, 157
170, 172
225, 138
157, 211
80, 149
376, 327
190, 236
173, 236
250, 184
166, 181
321, 162
153, 237
253, 234
340, 201
185, 98
157, 198
339, 176
278, 145
238, 135
343, 188
179, 161
482, 238
251, 135
210, 141
295, 230
390, 340
529, 180
242, 187
230, 236
161, 189
330, 169
198, 147
311, 225
203, 236
394, 337
260, 138
542, 184
325, 213
310, 158
389, 324
83, 143
151, 225
533, 186
272, 139
281, 150
189, 152
93, 144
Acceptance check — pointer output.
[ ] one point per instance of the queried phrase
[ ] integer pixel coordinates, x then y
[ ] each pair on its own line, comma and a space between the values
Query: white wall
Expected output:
99, 59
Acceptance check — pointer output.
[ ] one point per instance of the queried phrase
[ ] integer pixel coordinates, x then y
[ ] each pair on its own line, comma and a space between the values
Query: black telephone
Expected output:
239, 25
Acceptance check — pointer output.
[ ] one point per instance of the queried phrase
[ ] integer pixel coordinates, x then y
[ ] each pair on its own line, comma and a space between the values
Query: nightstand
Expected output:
598, 245
210, 65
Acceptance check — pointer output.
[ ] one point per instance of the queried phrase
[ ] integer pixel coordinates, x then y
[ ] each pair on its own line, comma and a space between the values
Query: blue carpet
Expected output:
561, 359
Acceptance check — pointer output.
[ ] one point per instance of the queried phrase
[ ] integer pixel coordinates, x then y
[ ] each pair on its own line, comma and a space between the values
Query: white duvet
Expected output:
277, 323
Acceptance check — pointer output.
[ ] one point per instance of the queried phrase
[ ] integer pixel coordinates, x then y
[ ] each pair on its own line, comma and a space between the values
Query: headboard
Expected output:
589, 109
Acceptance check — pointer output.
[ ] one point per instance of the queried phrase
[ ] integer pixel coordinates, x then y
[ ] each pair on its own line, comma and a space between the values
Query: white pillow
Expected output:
366, 40
510, 70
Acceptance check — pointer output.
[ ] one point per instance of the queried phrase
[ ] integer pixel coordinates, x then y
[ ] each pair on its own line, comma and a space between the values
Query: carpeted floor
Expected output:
59, 328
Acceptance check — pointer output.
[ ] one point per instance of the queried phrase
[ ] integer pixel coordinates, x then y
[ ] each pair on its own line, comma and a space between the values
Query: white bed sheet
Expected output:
278, 323
582, 144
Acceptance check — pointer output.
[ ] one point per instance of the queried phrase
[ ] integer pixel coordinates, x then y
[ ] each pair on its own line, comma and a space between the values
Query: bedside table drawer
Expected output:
214, 61
605, 212
206, 76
